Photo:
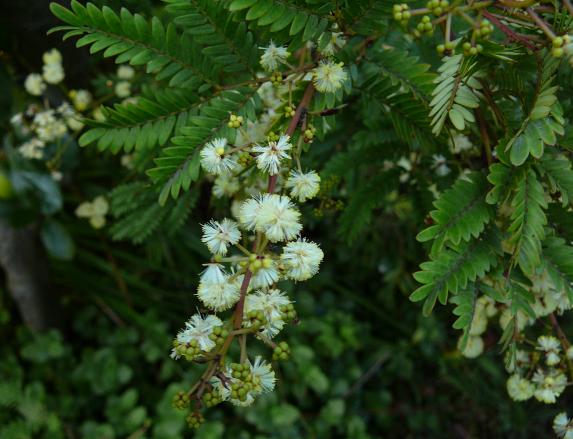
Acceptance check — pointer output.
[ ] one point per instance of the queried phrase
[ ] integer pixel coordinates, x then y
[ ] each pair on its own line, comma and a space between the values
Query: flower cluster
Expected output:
42, 125
541, 371
95, 211
52, 73
261, 243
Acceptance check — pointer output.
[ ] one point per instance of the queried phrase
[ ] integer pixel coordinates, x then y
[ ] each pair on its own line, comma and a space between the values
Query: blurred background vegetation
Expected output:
365, 363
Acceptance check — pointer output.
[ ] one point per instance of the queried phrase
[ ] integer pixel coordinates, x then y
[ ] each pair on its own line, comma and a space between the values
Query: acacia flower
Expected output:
219, 235
328, 76
301, 259
273, 56
270, 156
519, 389
562, 426
549, 385
552, 347
303, 186
213, 157
52, 56
125, 72
200, 329
270, 303
278, 218
265, 276
214, 273
219, 296
34, 84
263, 376
53, 73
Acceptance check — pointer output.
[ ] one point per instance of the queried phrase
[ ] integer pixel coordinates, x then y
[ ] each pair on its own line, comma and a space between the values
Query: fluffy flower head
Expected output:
34, 84
219, 295
219, 235
549, 385
328, 76
278, 218
269, 156
52, 57
53, 73
200, 328
214, 160
301, 259
273, 56
303, 186
519, 389
270, 303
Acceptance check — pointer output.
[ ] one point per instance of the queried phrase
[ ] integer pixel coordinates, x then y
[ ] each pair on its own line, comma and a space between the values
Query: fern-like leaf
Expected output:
560, 175
558, 257
527, 221
456, 93
280, 14
151, 121
451, 270
544, 120
461, 213
465, 302
138, 215
226, 41
130, 38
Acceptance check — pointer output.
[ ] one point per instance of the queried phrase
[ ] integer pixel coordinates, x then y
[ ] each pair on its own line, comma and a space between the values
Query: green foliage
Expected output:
151, 122
461, 213
456, 93
130, 38
451, 270
138, 215
527, 220
226, 41
279, 15
538, 129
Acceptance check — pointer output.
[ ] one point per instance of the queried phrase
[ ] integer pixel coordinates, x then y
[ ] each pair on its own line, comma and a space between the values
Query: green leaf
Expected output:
57, 240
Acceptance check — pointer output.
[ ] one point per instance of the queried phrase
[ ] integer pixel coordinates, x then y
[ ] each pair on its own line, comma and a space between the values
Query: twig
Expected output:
302, 106
512, 35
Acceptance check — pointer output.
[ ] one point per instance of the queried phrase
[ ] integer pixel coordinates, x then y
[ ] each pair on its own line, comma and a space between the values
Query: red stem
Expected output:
302, 106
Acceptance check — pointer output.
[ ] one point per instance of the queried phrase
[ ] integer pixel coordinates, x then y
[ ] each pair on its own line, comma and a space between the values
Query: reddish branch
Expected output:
511, 34
300, 110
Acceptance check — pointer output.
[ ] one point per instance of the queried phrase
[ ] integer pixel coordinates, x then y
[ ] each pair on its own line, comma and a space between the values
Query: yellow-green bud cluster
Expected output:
211, 398
245, 159
276, 78
243, 381
281, 352
438, 7
219, 335
235, 121
289, 111
258, 262
256, 319
485, 29
272, 136
194, 420
446, 49
557, 45
188, 350
402, 13
469, 49
425, 26
181, 400
308, 135
288, 313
